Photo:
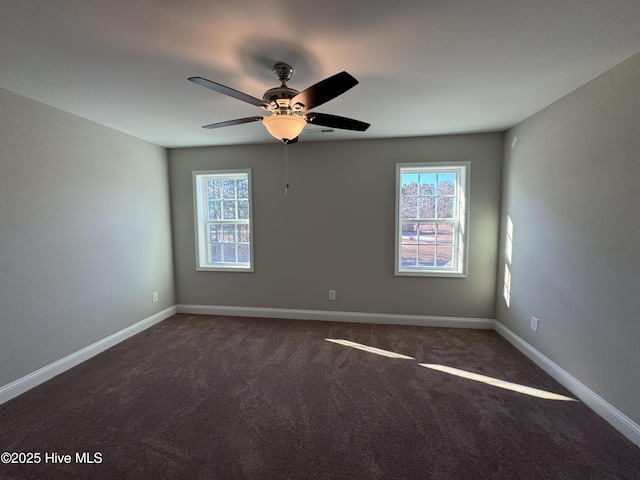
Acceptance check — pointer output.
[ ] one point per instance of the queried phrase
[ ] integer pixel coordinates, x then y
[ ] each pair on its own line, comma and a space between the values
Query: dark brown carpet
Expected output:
199, 397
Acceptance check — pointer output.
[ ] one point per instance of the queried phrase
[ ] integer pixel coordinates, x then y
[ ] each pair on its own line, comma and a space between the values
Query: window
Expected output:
224, 231
431, 227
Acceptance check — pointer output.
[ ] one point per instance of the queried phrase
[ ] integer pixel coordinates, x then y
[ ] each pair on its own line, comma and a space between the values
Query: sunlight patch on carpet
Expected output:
515, 387
366, 348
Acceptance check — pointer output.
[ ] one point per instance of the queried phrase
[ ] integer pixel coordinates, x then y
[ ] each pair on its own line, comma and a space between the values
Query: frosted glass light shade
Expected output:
284, 127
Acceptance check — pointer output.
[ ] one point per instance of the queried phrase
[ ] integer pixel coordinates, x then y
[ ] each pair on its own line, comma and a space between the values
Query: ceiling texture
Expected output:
426, 67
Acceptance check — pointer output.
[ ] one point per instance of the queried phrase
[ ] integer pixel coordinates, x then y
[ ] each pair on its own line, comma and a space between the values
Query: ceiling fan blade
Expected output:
229, 123
335, 121
325, 90
216, 87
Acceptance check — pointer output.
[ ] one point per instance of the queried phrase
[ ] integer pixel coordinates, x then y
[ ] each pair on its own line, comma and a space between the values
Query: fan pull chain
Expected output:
286, 168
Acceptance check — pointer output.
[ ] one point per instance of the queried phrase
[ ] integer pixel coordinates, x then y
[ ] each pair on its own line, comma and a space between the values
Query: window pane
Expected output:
229, 233
215, 253
229, 252
229, 209
444, 256
243, 188
215, 210
213, 189
215, 233
243, 209
427, 184
243, 233
409, 207
243, 253
410, 184
426, 255
427, 233
409, 255
228, 189
409, 230
445, 233
426, 207
447, 183
445, 207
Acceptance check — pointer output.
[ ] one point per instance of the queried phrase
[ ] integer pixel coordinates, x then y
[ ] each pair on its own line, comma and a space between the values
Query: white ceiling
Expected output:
425, 66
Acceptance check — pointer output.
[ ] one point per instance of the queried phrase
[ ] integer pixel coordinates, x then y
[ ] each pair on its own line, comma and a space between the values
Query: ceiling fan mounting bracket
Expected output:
283, 71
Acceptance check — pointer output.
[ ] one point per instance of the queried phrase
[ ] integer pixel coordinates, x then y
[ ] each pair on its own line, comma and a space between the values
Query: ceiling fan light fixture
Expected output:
284, 127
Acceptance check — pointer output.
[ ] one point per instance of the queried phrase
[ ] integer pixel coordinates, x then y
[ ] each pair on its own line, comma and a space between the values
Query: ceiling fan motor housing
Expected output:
278, 97
279, 93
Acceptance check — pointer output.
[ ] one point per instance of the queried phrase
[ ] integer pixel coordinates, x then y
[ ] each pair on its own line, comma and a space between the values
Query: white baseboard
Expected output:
21, 385
615, 417
335, 316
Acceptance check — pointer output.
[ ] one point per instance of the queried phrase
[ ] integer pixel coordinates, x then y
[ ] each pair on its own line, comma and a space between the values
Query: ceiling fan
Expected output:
289, 108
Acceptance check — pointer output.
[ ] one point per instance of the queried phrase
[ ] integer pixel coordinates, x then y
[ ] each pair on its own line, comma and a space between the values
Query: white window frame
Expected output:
203, 262
458, 266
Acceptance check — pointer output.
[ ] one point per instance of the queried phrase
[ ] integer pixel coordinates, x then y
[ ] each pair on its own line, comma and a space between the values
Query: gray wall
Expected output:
335, 228
84, 233
571, 187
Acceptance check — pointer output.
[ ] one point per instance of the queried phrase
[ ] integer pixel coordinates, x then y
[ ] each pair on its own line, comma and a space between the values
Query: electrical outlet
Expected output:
534, 324
154, 297
332, 294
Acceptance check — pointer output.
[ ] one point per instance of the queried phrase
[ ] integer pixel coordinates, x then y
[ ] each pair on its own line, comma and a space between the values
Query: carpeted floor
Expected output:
201, 397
